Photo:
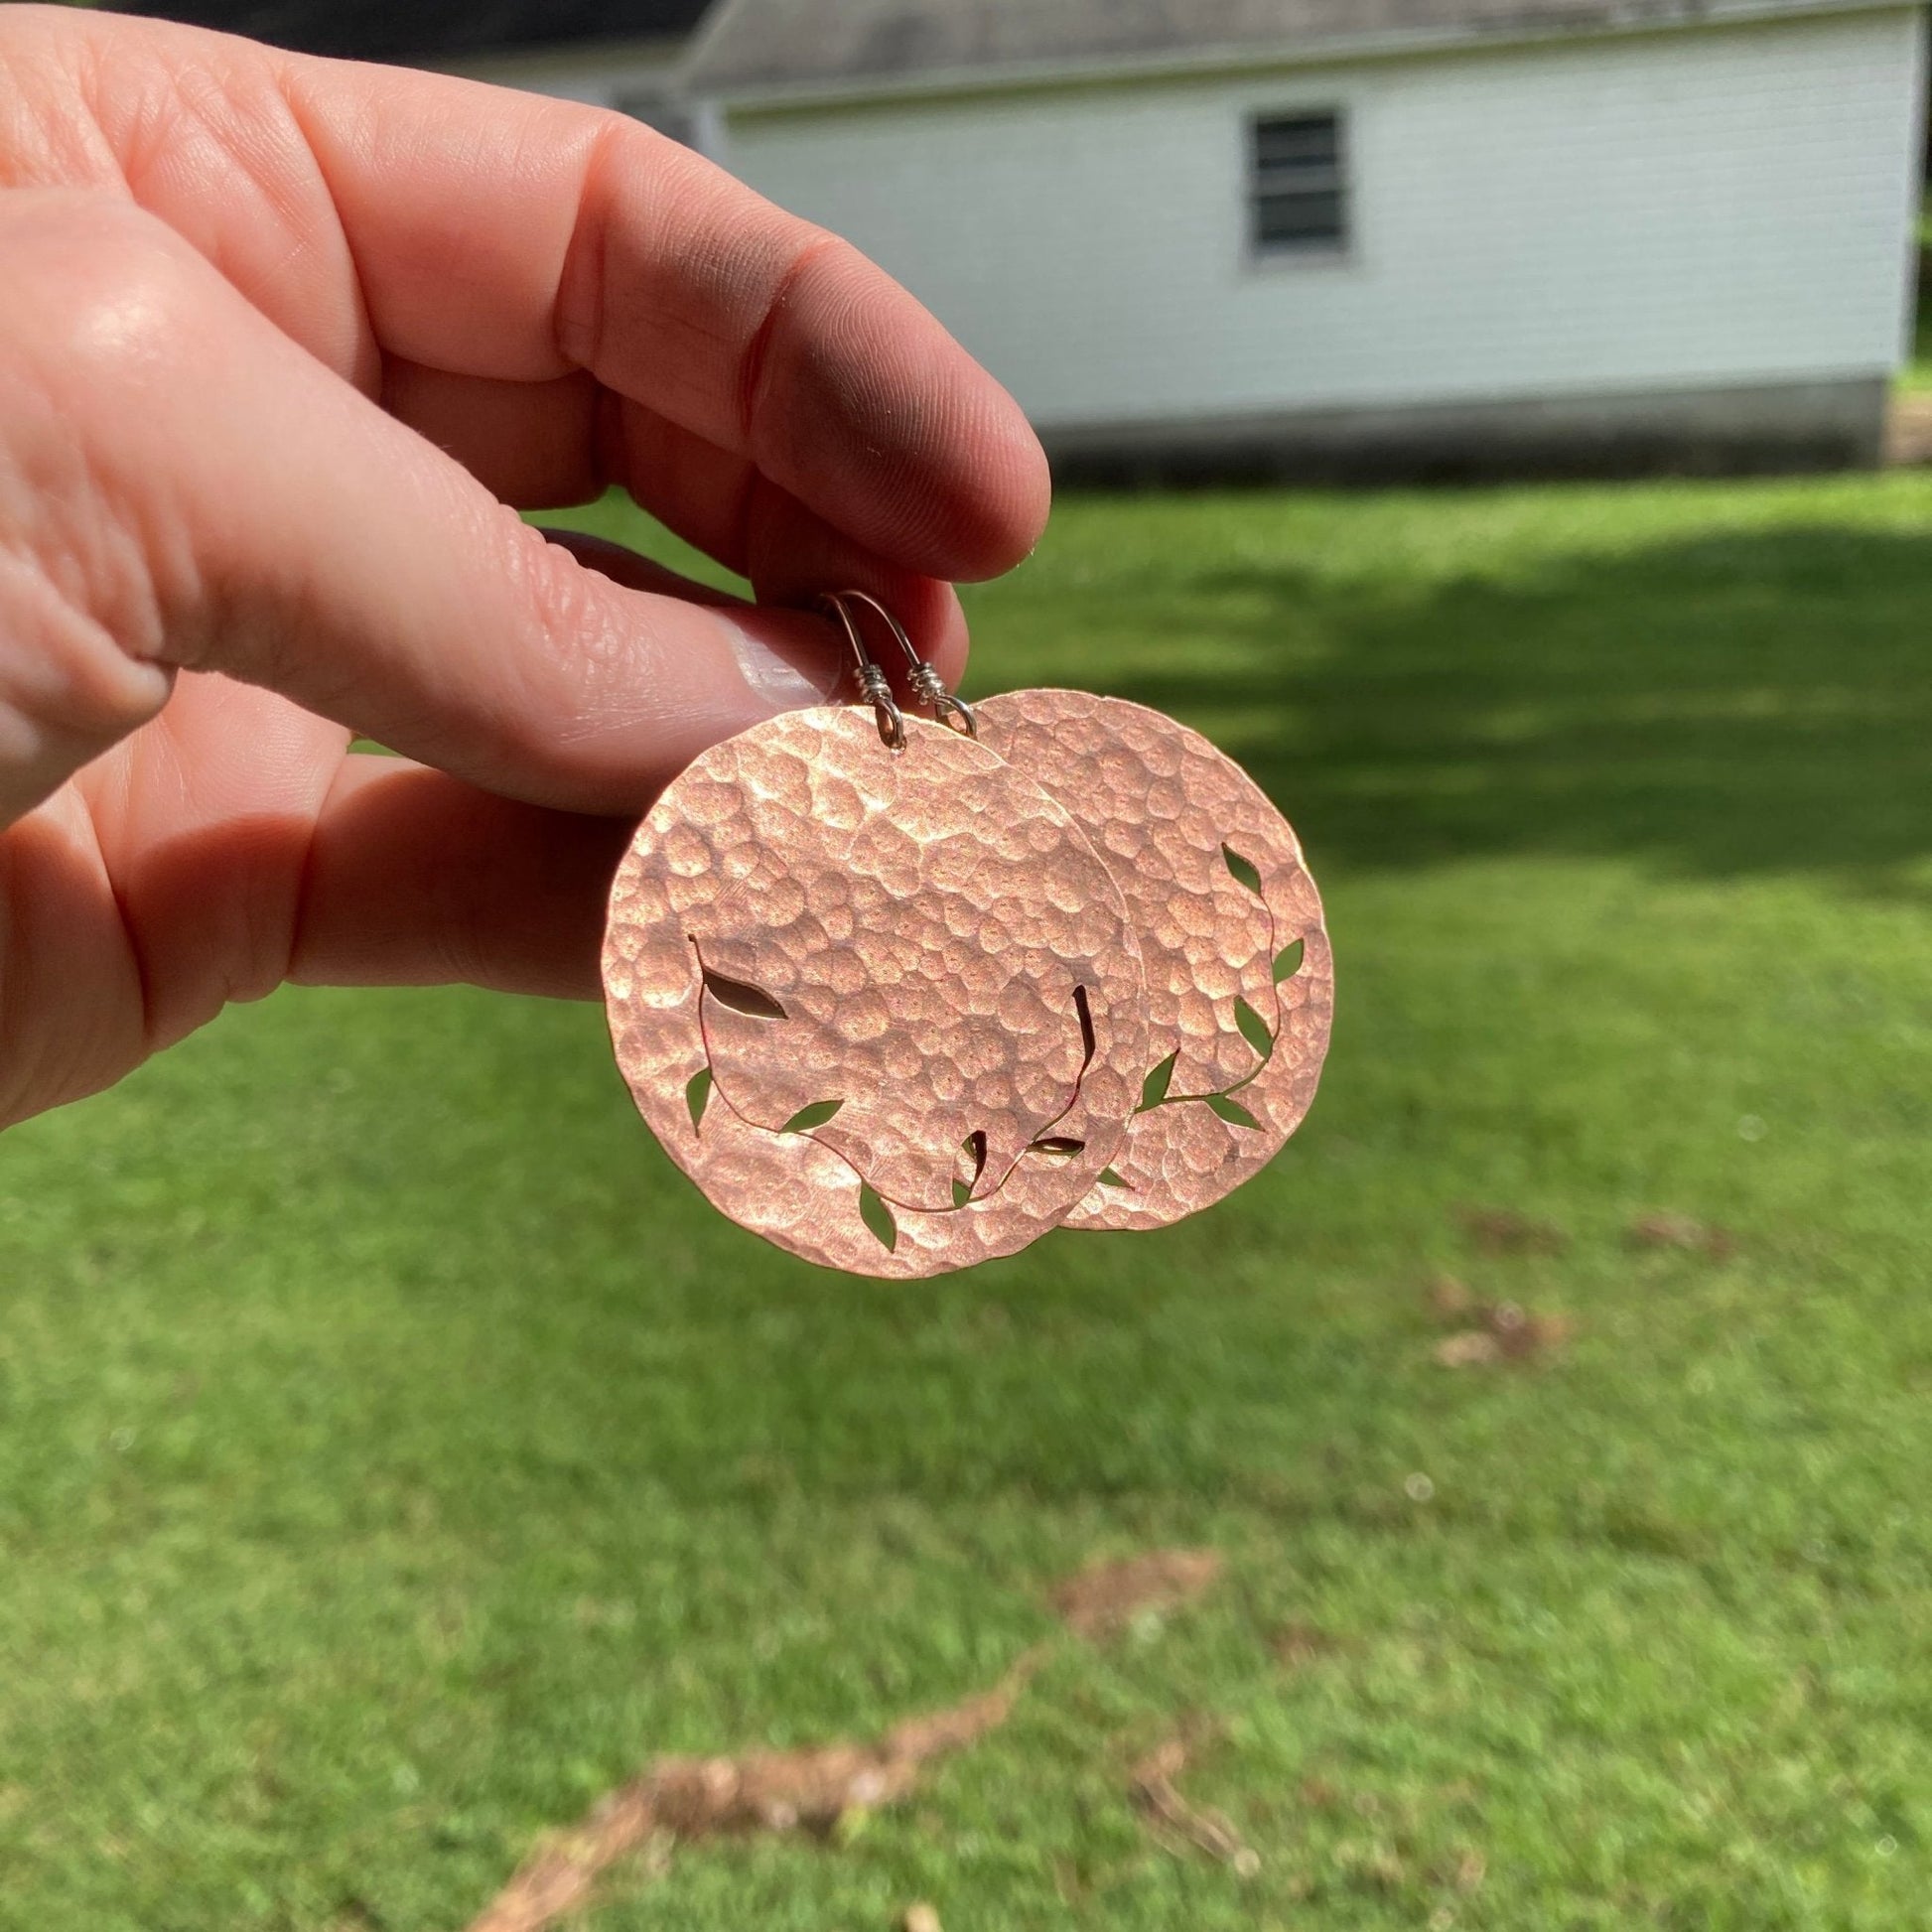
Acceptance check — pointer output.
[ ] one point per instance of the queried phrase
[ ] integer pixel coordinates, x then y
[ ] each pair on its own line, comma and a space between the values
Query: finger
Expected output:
300, 539
531, 443
929, 612
201, 823
415, 878
173, 879
517, 237
681, 289
534, 444
636, 572
719, 503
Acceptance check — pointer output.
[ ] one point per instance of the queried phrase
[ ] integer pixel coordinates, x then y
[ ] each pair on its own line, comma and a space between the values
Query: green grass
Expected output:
1917, 372
394, 1451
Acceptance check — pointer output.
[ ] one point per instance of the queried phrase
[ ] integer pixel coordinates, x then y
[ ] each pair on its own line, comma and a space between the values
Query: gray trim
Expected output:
1826, 423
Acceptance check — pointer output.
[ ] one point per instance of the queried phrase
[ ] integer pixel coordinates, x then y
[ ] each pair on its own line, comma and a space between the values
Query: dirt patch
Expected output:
1299, 1644
1503, 1231
1176, 1823
1908, 430
681, 1800
1679, 1231
1110, 1596
1496, 1331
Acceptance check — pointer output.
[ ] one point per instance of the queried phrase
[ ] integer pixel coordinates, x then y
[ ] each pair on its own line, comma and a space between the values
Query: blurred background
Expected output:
1308, 237
1496, 422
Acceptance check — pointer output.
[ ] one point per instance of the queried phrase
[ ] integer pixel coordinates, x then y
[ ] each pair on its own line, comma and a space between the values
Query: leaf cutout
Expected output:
1061, 1144
1245, 870
1109, 1179
1154, 1089
816, 1115
877, 1216
1254, 1029
696, 1090
742, 996
1085, 1011
1231, 1111
1288, 962
975, 1145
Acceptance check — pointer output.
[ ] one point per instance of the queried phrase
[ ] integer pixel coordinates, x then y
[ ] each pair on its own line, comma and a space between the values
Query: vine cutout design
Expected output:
1155, 1089
875, 1209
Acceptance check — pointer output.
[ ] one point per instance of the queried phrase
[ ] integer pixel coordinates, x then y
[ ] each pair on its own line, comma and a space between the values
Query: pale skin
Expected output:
284, 346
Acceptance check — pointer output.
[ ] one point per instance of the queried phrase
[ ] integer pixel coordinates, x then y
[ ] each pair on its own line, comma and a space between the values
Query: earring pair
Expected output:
903, 994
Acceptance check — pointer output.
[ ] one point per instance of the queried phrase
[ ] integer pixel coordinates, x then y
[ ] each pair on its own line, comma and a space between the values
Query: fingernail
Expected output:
787, 662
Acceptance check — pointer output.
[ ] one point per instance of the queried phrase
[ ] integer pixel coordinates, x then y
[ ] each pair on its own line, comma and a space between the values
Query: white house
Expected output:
1312, 235
1326, 233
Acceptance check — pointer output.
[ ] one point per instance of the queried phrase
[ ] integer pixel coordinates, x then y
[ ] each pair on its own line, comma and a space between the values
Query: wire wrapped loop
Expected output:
873, 686
924, 681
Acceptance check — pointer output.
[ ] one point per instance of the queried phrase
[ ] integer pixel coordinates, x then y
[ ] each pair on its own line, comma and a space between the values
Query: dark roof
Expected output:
427, 30
748, 45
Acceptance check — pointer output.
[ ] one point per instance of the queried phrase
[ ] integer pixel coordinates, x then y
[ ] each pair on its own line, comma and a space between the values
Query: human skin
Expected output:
284, 346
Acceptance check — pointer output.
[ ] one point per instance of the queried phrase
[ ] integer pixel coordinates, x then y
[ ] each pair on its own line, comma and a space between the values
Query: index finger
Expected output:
506, 235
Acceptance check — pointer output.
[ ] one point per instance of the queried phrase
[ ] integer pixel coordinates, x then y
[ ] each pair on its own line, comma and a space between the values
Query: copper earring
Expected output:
872, 989
1240, 979
901, 999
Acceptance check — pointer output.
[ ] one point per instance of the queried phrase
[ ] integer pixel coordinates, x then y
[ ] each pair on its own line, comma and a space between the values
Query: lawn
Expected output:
1916, 376
395, 1453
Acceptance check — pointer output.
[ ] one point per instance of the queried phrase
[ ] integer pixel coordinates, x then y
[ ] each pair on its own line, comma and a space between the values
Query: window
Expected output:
1297, 197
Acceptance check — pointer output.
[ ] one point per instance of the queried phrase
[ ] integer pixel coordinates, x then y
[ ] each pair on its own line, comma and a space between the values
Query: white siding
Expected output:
1668, 211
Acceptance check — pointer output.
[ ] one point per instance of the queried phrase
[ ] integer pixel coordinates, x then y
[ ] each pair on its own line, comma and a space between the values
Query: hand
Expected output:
282, 341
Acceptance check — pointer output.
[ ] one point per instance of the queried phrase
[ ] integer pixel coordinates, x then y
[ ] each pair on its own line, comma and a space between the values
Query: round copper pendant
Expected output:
884, 1008
1240, 983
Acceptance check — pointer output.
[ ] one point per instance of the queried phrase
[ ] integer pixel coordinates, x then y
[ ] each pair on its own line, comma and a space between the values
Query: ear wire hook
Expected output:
873, 685
922, 677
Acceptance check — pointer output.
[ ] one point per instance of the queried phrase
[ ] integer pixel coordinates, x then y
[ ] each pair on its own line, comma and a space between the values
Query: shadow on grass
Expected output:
1734, 704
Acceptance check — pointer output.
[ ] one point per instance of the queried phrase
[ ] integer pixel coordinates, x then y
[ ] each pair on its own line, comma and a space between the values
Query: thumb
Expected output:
181, 486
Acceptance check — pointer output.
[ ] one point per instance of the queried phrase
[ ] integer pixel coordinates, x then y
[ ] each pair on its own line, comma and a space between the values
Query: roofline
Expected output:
1030, 76
666, 49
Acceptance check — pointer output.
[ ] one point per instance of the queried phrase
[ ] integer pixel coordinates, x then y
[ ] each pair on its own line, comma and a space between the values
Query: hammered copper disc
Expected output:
1217, 893
922, 937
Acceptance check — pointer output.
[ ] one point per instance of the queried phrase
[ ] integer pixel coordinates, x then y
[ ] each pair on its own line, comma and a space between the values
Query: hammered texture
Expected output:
1160, 805
915, 925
